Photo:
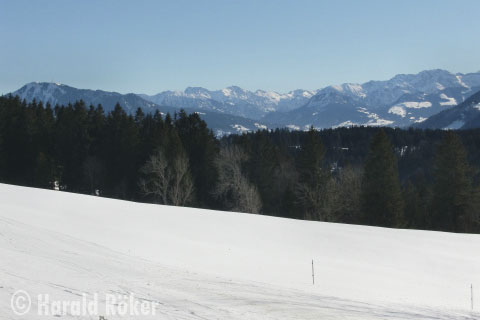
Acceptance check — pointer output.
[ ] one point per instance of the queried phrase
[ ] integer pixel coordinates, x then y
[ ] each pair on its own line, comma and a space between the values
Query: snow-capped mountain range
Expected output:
56, 93
404, 100
233, 100
222, 123
400, 101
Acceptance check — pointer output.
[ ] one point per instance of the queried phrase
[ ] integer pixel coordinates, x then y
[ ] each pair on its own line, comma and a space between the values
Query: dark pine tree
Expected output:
313, 177
263, 165
382, 203
201, 148
452, 187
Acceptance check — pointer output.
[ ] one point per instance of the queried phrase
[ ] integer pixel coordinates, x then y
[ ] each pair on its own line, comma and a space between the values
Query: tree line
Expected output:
422, 179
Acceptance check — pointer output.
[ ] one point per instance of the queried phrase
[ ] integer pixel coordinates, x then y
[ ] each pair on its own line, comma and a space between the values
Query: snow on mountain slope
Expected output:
233, 100
55, 93
200, 264
465, 115
220, 122
431, 91
399, 101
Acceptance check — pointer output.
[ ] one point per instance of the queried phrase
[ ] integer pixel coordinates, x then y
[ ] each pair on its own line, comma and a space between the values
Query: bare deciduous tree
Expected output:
181, 188
232, 186
346, 189
332, 198
168, 183
316, 198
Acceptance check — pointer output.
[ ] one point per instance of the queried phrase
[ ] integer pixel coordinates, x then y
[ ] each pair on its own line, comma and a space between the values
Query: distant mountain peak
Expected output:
55, 93
403, 100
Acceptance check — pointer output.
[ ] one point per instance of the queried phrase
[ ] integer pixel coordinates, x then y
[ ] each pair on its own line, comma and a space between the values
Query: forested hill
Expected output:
426, 179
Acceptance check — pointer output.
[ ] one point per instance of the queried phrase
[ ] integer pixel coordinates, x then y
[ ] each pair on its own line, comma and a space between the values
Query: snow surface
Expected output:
345, 124
420, 119
415, 104
292, 127
240, 128
449, 101
262, 101
201, 264
352, 88
375, 120
459, 78
398, 110
260, 126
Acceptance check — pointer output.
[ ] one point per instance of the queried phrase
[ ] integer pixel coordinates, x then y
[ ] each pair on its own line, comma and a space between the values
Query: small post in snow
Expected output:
471, 295
313, 274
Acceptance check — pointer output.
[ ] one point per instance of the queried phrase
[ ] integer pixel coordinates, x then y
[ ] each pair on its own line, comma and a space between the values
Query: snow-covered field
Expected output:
200, 264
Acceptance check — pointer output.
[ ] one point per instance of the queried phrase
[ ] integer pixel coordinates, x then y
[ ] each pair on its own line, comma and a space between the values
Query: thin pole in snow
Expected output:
471, 295
313, 273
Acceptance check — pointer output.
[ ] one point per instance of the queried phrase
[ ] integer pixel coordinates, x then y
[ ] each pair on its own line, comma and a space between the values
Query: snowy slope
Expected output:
201, 264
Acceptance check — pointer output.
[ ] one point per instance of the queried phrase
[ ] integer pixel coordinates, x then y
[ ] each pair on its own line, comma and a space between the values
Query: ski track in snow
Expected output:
41, 260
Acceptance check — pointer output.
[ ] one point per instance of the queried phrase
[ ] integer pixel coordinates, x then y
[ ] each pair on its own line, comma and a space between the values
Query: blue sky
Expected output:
151, 46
